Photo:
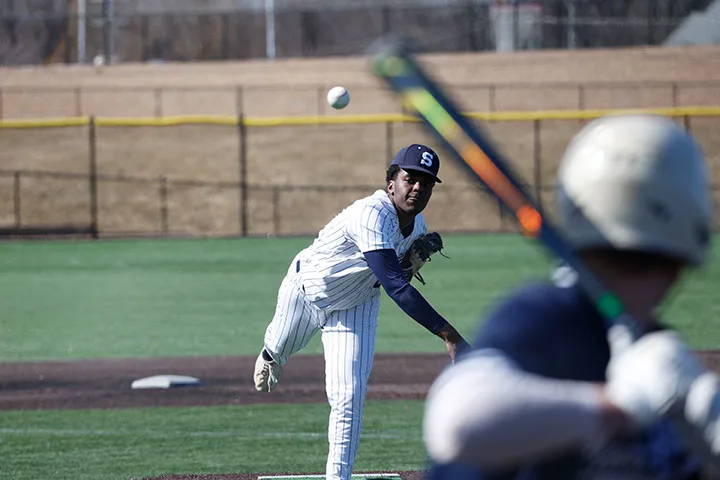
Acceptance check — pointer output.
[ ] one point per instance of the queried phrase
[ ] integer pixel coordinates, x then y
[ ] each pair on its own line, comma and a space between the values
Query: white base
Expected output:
165, 381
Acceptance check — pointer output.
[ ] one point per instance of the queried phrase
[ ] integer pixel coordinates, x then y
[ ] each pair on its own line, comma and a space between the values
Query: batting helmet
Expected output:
636, 183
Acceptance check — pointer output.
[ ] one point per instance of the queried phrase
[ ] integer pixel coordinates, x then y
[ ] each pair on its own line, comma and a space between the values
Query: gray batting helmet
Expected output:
636, 182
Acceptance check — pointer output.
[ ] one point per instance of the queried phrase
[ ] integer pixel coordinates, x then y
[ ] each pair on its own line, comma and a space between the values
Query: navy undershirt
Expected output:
386, 267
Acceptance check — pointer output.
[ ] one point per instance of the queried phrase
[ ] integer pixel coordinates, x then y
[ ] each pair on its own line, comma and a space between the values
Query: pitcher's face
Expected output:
411, 190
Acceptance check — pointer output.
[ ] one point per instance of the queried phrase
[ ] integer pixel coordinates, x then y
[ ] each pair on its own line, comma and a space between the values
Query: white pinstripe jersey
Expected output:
333, 270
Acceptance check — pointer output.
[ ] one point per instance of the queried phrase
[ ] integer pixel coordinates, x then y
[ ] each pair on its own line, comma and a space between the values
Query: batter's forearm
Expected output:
486, 412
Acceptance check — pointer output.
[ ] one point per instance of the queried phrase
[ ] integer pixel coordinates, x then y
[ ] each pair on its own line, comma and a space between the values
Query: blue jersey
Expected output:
556, 332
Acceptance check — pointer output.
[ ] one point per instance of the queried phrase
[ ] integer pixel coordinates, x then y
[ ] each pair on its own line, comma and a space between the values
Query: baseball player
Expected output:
333, 286
548, 392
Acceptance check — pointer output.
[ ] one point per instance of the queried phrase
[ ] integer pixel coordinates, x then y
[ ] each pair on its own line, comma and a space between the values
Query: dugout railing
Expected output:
90, 201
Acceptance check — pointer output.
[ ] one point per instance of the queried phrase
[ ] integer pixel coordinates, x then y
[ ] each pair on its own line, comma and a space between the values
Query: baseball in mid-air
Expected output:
338, 97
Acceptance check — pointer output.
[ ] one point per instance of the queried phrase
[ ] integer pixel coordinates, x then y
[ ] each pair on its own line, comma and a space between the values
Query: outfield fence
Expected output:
37, 102
260, 176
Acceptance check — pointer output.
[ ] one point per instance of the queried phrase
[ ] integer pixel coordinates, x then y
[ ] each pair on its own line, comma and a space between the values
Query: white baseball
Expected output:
338, 97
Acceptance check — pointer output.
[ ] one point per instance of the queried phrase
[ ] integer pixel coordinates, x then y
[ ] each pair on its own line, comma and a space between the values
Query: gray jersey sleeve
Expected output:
487, 412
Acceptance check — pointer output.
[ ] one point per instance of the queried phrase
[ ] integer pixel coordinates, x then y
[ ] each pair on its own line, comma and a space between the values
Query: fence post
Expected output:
651, 14
16, 201
320, 100
163, 194
385, 14
78, 102
242, 161
581, 97
239, 101
67, 45
224, 37
144, 34
472, 36
516, 25
674, 95
388, 140
276, 210
92, 178
2, 107
158, 103
502, 214
107, 20
686, 122
537, 162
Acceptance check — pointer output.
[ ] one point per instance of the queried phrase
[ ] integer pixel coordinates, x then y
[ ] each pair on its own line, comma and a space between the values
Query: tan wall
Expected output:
186, 179
484, 81
285, 164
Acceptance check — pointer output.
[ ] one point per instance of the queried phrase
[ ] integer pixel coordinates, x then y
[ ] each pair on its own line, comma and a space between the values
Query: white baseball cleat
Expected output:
267, 372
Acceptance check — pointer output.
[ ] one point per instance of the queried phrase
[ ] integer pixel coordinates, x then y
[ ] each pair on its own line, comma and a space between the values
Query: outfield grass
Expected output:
146, 298
150, 298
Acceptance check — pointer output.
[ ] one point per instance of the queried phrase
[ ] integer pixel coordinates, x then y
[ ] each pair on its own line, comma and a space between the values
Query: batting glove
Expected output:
651, 377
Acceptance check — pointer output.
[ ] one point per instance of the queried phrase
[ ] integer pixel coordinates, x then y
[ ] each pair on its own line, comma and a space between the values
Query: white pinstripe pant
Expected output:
348, 338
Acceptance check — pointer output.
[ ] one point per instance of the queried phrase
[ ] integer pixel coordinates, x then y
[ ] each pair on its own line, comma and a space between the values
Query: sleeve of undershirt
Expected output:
386, 267
373, 228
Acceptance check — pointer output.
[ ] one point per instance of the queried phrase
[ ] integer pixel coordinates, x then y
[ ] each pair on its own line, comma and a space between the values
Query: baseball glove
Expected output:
419, 253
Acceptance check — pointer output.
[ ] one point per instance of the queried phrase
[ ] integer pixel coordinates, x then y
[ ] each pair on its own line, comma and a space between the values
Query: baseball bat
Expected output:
393, 62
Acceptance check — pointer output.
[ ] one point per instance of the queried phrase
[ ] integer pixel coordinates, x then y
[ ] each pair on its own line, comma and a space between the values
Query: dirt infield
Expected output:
105, 383
225, 381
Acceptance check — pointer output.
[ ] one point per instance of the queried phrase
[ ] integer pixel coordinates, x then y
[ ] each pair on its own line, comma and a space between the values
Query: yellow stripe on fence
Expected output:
166, 121
345, 119
322, 120
590, 114
46, 122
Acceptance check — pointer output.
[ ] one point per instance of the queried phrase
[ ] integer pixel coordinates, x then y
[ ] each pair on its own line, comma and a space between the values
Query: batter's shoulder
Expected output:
541, 325
542, 303
529, 314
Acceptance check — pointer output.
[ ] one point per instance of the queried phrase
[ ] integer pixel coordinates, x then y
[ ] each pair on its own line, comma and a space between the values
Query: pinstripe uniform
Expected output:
329, 287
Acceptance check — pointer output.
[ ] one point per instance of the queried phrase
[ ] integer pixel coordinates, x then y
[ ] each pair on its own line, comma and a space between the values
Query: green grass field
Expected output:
209, 297
147, 298
122, 444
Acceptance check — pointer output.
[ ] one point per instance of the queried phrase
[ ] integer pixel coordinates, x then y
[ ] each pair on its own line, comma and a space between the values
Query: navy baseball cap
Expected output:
418, 157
